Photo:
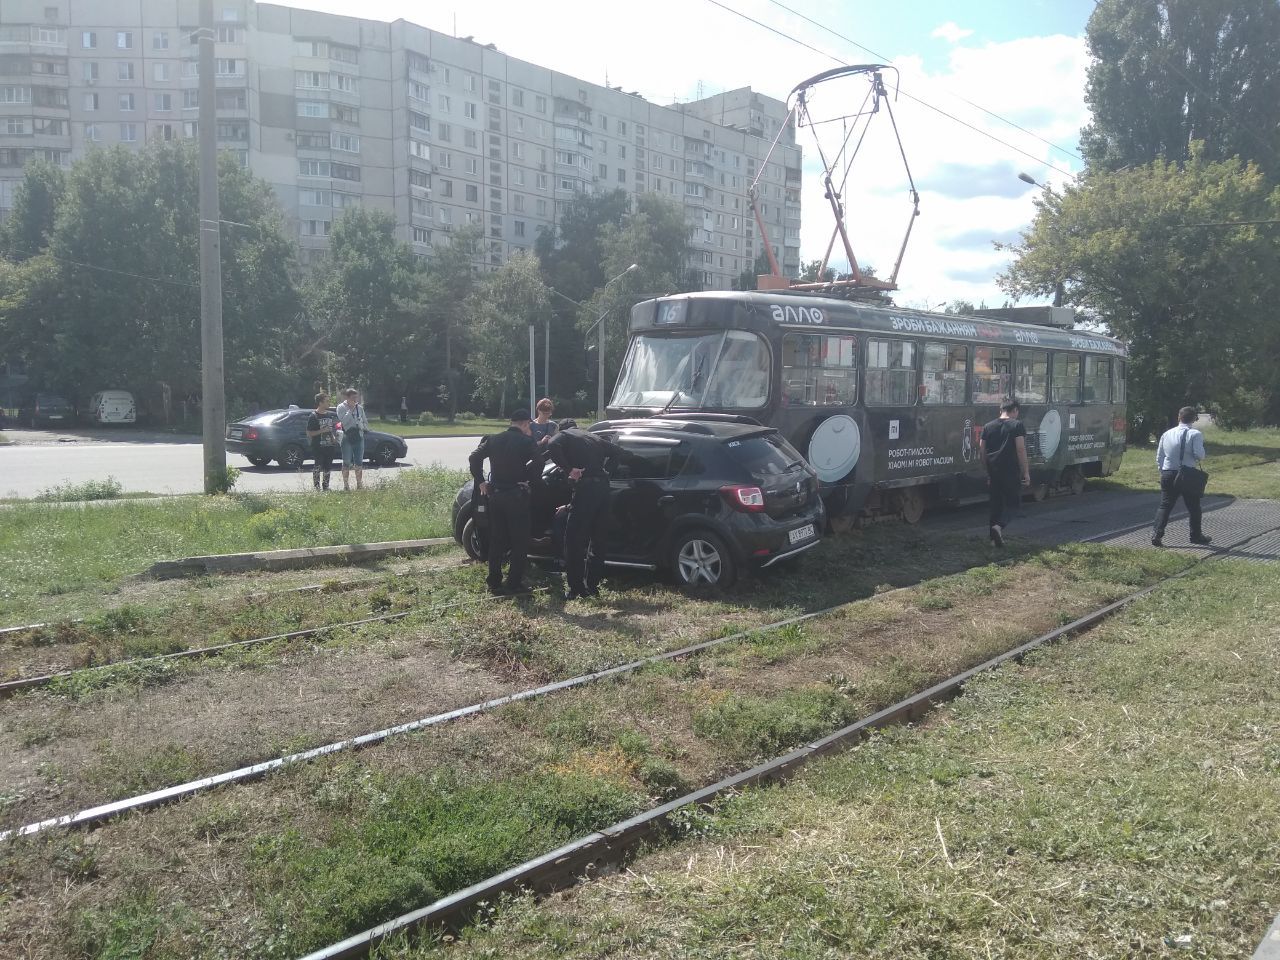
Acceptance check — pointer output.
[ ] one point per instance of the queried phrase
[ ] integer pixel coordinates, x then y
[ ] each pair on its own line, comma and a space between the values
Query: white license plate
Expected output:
55, 416
801, 533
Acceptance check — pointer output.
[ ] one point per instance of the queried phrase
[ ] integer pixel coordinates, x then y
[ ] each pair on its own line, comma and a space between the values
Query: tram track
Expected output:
609, 847
103, 812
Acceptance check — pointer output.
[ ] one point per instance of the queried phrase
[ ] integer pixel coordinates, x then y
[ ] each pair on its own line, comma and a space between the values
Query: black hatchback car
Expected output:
281, 435
47, 409
702, 498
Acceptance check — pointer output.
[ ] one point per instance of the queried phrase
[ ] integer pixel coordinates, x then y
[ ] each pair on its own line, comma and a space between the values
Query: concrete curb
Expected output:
289, 559
1269, 948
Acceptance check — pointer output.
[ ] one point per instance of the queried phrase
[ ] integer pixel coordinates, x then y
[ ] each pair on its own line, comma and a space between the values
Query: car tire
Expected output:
472, 543
259, 461
700, 559
385, 455
292, 456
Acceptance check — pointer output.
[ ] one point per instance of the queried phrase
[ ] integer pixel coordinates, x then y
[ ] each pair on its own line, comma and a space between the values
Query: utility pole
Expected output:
533, 370
214, 401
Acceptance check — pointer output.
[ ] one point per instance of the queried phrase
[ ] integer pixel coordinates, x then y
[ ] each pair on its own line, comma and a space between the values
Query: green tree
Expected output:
655, 237
1146, 252
102, 306
1167, 73
747, 280
25, 232
499, 313
365, 298
451, 279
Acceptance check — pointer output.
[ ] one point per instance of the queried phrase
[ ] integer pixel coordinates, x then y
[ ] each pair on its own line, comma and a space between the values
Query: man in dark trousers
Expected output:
514, 461
587, 458
1004, 450
1180, 446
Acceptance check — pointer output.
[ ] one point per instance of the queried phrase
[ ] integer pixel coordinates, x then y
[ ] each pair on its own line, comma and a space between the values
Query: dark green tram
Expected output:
886, 404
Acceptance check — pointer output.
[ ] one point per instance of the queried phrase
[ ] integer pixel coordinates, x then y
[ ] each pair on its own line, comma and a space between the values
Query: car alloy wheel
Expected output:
700, 561
386, 455
291, 457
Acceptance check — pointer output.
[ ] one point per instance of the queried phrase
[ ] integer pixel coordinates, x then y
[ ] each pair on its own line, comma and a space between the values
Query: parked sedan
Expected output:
700, 499
281, 435
47, 410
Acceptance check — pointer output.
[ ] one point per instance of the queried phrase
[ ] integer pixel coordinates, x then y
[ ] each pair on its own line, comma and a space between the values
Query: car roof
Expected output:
659, 426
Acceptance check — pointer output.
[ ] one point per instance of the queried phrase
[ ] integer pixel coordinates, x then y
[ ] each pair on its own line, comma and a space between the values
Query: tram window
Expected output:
1031, 381
819, 370
1118, 390
992, 374
1097, 380
1066, 378
891, 373
945, 368
740, 378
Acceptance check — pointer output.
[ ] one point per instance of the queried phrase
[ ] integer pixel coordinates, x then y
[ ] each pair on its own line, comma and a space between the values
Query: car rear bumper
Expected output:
791, 553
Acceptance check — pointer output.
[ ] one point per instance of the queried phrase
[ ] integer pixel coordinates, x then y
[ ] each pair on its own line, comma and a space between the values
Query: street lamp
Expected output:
1027, 178
1058, 291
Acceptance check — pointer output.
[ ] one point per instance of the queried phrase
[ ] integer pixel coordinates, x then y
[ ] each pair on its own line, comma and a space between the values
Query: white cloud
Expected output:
951, 32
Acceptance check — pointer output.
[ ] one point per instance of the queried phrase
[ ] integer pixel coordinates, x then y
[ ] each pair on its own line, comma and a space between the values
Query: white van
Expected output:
112, 406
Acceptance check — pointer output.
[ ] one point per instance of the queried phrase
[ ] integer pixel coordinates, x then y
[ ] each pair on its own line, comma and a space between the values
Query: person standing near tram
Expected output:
1178, 457
586, 458
514, 461
1003, 446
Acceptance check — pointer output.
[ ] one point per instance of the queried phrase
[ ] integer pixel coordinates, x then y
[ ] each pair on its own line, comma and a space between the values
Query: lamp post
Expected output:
598, 326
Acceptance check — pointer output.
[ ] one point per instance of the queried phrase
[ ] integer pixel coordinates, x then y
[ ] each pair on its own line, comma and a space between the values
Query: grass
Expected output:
1116, 796
49, 552
1241, 463
108, 489
321, 851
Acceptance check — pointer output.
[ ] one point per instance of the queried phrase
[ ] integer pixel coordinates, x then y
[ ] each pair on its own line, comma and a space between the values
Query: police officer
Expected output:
587, 458
514, 461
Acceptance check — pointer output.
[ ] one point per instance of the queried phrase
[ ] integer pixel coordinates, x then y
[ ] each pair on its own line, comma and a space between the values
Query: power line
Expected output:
123, 273
923, 103
881, 56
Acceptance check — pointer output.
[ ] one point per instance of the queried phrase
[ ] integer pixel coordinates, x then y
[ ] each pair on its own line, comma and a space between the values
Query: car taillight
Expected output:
251, 434
746, 499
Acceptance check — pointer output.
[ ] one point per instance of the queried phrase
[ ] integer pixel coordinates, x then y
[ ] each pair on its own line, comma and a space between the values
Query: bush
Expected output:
1239, 410
108, 489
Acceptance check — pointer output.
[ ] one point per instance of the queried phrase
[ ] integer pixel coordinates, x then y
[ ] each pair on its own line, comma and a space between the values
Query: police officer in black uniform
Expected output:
587, 457
514, 461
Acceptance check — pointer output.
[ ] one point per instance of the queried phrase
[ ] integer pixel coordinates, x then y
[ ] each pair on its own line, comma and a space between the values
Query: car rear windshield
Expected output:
765, 455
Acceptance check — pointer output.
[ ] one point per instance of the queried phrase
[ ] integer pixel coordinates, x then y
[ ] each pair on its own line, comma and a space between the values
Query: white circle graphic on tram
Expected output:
1050, 434
835, 447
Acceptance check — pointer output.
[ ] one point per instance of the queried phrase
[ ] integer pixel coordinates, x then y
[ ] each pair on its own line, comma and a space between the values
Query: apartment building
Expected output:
441, 131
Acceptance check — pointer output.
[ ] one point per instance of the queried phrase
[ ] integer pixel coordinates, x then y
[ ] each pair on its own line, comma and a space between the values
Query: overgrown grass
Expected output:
47, 551
1115, 796
108, 489
1241, 463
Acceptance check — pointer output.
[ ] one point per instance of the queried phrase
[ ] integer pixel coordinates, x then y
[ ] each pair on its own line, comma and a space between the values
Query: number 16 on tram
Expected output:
886, 404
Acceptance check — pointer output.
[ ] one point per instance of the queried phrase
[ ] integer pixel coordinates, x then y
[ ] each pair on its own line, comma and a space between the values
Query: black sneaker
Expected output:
494, 591
1202, 540
997, 537
1157, 541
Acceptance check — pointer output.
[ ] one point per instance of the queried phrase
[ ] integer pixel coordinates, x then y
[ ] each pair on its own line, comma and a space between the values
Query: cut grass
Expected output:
1115, 796
1241, 463
49, 552
319, 851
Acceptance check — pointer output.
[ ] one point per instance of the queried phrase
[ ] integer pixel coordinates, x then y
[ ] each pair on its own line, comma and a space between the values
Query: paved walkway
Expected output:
1111, 517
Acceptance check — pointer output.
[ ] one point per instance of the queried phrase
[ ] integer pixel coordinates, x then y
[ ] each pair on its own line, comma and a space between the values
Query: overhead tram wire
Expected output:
938, 110
91, 266
976, 106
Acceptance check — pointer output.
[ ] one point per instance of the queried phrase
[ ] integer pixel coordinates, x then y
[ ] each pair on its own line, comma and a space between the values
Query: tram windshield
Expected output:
724, 370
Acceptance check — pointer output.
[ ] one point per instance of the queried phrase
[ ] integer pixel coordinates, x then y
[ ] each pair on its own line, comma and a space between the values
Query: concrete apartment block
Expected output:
441, 131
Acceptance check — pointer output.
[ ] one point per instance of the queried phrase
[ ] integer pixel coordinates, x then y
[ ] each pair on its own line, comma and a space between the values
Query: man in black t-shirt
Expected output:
587, 458
1004, 450
324, 442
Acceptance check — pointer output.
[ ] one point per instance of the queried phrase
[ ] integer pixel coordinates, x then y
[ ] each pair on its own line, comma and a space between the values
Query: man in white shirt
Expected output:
355, 424
1179, 446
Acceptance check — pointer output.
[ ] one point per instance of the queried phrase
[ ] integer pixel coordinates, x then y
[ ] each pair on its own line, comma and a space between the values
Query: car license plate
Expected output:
801, 533
55, 416
234, 433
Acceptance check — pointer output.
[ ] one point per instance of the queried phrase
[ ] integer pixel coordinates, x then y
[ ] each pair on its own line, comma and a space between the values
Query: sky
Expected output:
989, 64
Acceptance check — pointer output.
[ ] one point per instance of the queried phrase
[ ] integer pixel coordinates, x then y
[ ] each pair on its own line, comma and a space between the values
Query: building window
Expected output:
819, 370
443, 133
344, 54
472, 194
517, 177
92, 132
90, 70
160, 72
90, 102
421, 235
992, 374
945, 368
89, 40
312, 48
419, 149
517, 150
190, 99
164, 131
1066, 378
228, 35
420, 178
163, 102
1031, 376
443, 102
891, 373
517, 98
346, 142
345, 83
314, 109
469, 111
541, 207
228, 68
160, 40
124, 70
124, 40
469, 138
540, 104
232, 100
316, 228
127, 101
313, 168
446, 188
314, 198
420, 91
311, 80
15, 126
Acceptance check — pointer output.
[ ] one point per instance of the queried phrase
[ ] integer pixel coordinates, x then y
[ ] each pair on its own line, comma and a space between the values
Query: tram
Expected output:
886, 404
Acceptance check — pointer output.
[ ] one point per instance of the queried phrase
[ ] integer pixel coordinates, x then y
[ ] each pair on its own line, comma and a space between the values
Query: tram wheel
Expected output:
1075, 480
911, 504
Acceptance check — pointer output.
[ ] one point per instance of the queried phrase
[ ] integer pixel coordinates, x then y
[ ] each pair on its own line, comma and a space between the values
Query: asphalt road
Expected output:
27, 469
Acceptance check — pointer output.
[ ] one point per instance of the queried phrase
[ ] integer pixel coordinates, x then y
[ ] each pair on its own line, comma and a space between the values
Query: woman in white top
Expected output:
355, 424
